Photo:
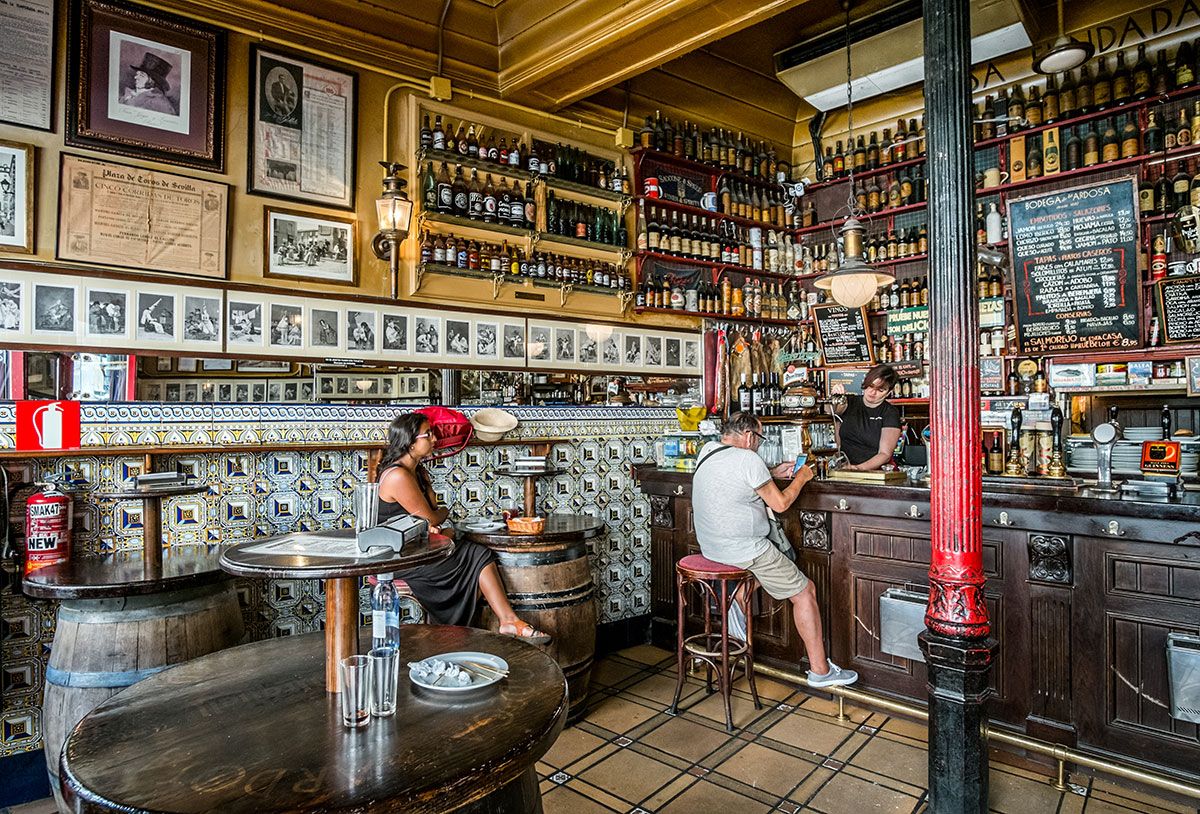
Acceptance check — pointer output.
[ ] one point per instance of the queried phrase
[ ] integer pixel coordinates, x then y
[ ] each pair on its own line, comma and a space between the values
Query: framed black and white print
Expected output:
395, 332
145, 83
323, 327
244, 325
54, 309
16, 194
360, 330
458, 338
12, 307
610, 351
633, 351
286, 326
513, 346
107, 314
27, 64
156, 317
691, 354
541, 343
487, 345
564, 344
589, 348
299, 245
653, 351
302, 129
671, 352
427, 339
201, 320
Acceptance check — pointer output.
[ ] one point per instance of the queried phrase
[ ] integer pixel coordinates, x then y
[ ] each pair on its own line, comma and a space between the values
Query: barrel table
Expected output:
152, 497
268, 557
548, 577
122, 620
251, 729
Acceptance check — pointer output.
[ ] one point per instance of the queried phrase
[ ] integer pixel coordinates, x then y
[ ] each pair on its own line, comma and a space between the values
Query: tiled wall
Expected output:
258, 494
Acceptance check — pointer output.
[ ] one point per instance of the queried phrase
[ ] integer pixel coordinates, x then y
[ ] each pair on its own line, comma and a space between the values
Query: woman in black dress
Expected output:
447, 589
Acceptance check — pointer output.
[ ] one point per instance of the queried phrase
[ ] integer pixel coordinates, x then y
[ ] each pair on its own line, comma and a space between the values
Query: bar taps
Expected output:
1056, 469
1104, 437
1165, 421
1015, 468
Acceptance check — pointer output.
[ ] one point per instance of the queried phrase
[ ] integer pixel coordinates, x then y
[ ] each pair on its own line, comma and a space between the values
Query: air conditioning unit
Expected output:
887, 52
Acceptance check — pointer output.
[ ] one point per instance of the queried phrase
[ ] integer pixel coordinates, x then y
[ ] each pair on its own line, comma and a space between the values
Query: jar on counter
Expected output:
1045, 446
1029, 449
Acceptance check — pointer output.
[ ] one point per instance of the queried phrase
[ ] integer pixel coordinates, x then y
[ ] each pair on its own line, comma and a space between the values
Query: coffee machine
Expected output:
811, 429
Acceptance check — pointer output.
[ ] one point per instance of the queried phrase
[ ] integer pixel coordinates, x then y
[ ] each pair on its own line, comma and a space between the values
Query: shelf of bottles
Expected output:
754, 300
484, 182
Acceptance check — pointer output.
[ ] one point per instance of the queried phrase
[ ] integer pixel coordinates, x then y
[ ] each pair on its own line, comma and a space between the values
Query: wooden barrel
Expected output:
550, 586
102, 646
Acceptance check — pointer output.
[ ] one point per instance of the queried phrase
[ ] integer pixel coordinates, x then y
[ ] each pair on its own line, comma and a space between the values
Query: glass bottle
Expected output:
385, 613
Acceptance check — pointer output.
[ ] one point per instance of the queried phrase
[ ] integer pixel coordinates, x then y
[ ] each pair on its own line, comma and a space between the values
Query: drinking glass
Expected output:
366, 506
355, 672
385, 680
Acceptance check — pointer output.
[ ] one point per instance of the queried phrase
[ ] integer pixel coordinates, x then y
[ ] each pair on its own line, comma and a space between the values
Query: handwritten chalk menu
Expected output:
1074, 254
842, 335
1179, 309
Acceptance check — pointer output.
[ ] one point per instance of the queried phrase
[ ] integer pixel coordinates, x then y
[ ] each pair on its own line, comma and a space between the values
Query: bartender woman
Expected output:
870, 425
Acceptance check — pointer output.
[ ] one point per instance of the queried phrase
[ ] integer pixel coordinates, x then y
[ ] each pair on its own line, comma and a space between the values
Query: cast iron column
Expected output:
956, 644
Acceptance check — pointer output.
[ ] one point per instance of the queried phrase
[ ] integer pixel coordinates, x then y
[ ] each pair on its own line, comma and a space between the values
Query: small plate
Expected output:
482, 526
478, 681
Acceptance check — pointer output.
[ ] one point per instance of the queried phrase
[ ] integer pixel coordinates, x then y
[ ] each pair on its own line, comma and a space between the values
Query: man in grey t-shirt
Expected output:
730, 497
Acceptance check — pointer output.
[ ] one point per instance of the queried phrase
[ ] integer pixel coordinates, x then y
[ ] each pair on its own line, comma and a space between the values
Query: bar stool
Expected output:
719, 651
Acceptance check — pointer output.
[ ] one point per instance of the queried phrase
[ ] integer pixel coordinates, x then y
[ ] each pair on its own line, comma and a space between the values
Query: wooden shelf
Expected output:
487, 274
707, 213
867, 218
566, 240
576, 188
475, 163
733, 267
884, 170
720, 317
469, 223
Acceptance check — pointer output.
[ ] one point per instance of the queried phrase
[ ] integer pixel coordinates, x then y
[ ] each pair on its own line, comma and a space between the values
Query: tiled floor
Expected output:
629, 755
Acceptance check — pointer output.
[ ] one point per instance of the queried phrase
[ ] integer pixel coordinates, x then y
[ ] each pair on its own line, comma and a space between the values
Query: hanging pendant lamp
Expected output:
1067, 53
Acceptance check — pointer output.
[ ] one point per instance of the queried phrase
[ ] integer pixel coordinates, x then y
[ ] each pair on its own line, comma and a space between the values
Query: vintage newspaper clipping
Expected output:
118, 215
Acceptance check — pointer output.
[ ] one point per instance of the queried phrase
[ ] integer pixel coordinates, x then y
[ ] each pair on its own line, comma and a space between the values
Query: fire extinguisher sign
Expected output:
47, 425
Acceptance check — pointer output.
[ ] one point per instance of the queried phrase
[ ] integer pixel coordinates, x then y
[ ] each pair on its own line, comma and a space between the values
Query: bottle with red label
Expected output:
49, 517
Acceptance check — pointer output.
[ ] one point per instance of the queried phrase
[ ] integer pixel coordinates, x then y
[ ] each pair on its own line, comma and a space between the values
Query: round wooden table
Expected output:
251, 559
123, 619
548, 577
152, 498
251, 729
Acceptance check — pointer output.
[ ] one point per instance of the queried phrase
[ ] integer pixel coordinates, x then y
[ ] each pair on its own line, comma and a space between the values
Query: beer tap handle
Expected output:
1056, 426
1016, 427
1112, 413
1166, 422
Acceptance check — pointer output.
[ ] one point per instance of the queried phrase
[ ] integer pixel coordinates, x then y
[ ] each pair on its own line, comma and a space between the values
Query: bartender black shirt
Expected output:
862, 426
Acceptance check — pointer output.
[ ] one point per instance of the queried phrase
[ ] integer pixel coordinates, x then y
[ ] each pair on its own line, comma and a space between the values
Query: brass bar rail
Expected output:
1060, 754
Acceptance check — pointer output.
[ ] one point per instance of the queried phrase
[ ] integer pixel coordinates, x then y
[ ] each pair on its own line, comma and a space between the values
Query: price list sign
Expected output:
1074, 254
1179, 309
842, 334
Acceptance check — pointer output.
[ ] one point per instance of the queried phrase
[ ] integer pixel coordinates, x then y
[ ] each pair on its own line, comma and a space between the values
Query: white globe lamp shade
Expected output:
853, 290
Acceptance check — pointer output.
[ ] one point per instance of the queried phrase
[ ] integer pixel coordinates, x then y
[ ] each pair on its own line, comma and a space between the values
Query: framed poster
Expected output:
13, 292
145, 83
117, 215
298, 245
16, 195
27, 67
302, 129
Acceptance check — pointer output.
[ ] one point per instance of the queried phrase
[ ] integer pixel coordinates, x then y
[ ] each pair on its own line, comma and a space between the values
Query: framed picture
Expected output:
564, 344
202, 320
157, 320
12, 307
263, 366
186, 364
145, 83
691, 354
162, 364
458, 338
589, 348
16, 196
513, 348
302, 129
633, 351
487, 345
1193, 375
360, 330
610, 350
654, 351
540, 343
671, 352
428, 340
54, 309
286, 325
107, 314
395, 333
298, 245
29, 27
324, 328
216, 364
244, 322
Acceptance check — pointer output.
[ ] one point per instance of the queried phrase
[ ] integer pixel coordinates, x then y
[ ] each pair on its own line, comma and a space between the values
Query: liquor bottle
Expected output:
1196, 123
893, 193
439, 135
1146, 195
1160, 78
873, 153
474, 197
445, 190
1102, 88
1194, 192
1183, 129
745, 400
757, 397
1083, 92
1122, 81
1051, 102
995, 458
516, 207
1184, 69
1091, 146
839, 162
994, 224
1034, 167
503, 202
385, 613
1051, 157
429, 193
1164, 193
426, 138
899, 148
1154, 134
1181, 184
860, 155
459, 189
490, 204
1066, 96
1110, 143
1016, 109
1033, 108
460, 140
1143, 83
912, 149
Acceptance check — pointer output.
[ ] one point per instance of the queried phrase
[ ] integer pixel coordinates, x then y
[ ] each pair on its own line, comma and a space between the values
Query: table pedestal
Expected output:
341, 626
152, 539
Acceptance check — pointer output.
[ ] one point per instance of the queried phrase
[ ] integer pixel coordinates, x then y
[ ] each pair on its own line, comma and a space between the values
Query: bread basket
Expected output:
526, 525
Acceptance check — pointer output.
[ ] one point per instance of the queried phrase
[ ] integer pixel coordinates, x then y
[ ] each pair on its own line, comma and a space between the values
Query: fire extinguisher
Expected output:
49, 515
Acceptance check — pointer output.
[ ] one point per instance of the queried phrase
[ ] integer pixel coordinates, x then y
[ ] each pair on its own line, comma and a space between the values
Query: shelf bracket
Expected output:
497, 284
626, 299
420, 275
564, 291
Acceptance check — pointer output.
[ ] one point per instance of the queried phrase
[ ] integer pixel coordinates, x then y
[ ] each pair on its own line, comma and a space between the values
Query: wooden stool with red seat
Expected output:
719, 651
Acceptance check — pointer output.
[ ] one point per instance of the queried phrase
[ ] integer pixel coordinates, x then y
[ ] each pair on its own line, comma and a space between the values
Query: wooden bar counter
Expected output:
1082, 589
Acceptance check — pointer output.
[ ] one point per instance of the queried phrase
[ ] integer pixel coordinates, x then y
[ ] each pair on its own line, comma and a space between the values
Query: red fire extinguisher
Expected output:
48, 519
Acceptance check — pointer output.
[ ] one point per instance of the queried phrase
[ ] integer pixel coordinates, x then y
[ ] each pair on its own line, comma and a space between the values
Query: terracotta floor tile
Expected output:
907, 728
810, 734
660, 689
571, 745
565, 800
713, 708
687, 739
648, 654
851, 747
896, 760
609, 672
768, 688
828, 706
619, 715
628, 775
812, 784
598, 795
767, 769
1124, 795
1012, 794
891, 782
669, 792
844, 794
592, 758
708, 798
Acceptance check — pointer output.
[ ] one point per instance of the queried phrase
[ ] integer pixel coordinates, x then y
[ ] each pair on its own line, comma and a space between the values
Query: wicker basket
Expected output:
526, 525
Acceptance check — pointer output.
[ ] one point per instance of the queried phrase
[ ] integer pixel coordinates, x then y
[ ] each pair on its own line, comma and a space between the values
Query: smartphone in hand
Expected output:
801, 460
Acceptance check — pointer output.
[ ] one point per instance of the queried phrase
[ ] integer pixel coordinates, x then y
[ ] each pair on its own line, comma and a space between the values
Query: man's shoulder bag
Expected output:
775, 532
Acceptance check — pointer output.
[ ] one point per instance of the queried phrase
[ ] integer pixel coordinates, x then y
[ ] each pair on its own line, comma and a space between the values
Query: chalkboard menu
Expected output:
1179, 309
842, 335
675, 183
1074, 255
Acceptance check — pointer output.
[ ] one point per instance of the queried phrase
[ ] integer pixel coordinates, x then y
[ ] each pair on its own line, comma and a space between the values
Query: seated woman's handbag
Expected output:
452, 429
775, 532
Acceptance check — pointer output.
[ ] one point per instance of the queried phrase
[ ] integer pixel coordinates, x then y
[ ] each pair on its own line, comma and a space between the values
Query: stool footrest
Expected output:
696, 645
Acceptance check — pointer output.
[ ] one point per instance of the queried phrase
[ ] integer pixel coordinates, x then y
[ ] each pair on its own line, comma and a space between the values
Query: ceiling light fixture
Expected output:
1066, 54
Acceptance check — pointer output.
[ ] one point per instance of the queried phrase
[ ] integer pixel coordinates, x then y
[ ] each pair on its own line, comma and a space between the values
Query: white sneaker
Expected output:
735, 622
835, 677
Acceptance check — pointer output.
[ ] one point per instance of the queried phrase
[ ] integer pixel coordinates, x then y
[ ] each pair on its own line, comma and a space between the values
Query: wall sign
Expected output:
842, 335
1074, 259
47, 425
1179, 309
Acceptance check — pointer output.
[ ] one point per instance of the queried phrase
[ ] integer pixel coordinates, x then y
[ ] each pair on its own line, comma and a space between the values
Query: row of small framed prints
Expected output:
59, 310
326, 387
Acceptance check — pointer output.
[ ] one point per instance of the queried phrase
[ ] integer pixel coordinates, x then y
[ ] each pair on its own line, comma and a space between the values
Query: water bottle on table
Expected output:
385, 613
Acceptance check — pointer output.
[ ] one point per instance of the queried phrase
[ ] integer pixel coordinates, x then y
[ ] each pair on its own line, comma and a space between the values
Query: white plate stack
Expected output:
528, 463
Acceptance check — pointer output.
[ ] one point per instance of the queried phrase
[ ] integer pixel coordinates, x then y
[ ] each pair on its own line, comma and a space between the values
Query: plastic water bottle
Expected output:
385, 613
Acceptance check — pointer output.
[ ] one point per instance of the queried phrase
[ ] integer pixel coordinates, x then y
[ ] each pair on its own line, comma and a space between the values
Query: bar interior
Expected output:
351, 447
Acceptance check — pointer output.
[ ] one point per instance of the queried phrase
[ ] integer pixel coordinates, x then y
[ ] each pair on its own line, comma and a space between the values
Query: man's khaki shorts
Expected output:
778, 575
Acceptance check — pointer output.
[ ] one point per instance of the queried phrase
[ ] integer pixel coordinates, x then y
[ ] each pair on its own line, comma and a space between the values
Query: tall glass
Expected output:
355, 672
366, 506
385, 680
